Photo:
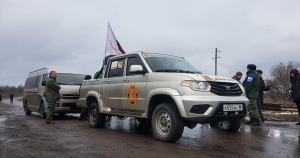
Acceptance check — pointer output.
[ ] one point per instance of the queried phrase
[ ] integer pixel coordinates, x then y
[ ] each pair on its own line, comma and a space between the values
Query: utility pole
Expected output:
216, 60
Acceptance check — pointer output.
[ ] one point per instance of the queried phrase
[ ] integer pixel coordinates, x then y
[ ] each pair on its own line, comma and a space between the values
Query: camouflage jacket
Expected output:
52, 91
251, 84
234, 77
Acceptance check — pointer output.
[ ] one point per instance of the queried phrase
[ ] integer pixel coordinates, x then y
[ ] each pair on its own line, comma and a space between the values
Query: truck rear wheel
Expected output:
96, 119
167, 124
27, 111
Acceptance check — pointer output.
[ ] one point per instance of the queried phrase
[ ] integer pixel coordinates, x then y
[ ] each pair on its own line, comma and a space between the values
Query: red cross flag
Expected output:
113, 46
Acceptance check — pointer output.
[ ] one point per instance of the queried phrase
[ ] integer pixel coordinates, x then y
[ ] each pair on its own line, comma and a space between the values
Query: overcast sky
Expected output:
35, 34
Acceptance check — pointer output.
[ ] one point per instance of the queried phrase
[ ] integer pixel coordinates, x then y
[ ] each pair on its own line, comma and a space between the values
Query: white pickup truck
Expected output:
163, 91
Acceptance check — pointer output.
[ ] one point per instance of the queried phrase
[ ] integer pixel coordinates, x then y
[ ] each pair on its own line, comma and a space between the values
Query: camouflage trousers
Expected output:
49, 112
252, 109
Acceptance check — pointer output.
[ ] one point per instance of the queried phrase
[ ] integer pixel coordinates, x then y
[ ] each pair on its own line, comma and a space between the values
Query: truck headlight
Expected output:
197, 85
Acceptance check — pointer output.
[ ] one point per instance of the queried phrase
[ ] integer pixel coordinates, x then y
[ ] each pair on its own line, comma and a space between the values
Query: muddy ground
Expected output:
29, 136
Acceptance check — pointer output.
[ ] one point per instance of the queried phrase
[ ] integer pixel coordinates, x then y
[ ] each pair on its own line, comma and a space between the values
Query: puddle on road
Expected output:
288, 135
273, 132
2, 119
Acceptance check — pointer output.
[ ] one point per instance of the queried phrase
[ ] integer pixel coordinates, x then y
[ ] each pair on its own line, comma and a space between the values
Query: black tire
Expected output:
96, 119
43, 110
142, 121
27, 111
167, 124
235, 126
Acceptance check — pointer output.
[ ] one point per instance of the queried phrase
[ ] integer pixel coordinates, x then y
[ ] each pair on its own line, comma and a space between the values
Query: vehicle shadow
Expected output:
59, 116
129, 125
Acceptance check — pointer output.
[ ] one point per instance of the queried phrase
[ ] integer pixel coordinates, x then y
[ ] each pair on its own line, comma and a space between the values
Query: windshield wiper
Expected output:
192, 72
167, 70
176, 70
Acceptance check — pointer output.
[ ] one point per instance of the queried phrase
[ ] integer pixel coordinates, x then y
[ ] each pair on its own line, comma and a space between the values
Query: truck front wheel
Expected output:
167, 124
96, 119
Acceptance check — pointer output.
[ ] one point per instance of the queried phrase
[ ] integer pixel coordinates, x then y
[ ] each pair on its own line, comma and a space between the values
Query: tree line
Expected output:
5, 90
280, 82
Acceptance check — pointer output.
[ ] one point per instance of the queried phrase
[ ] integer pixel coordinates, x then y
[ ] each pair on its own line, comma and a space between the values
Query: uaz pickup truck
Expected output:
164, 92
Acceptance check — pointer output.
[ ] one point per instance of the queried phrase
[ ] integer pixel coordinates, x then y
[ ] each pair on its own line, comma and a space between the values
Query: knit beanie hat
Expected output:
239, 73
259, 71
251, 66
295, 72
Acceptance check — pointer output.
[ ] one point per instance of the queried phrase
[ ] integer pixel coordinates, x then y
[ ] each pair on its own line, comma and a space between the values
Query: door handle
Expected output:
107, 80
126, 79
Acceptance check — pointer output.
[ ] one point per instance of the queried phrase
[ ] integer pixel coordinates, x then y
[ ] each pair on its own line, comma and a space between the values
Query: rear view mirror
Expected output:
43, 83
138, 69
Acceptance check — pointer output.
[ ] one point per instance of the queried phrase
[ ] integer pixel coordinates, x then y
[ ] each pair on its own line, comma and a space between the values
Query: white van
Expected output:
68, 78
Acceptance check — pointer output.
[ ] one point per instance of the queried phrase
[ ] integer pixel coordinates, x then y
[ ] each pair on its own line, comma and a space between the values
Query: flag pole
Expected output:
106, 39
104, 66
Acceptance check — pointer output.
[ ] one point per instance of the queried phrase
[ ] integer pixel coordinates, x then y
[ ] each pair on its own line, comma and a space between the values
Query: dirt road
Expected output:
29, 136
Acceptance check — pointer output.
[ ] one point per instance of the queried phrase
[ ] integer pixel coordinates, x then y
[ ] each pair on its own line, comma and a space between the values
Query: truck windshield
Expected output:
69, 79
165, 63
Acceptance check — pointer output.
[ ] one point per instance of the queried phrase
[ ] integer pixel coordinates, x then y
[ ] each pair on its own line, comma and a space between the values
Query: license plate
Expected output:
233, 107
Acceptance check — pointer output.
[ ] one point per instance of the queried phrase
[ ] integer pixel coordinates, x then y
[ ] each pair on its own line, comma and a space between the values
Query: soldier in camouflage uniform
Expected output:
238, 77
251, 84
52, 96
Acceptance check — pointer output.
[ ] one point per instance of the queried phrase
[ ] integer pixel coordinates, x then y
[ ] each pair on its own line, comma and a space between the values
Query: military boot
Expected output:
256, 122
50, 122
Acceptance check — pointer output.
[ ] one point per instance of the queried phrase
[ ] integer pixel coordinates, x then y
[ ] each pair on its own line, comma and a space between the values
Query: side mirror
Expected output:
43, 83
138, 69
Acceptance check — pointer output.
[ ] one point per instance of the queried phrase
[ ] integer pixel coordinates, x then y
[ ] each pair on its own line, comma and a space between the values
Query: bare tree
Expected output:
6, 90
280, 81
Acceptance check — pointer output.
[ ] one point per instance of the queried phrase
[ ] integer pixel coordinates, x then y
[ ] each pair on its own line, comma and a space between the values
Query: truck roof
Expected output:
141, 52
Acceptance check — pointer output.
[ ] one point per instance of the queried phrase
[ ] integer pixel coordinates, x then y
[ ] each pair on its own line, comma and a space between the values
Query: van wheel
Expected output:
167, 124
43, 111
96, 119
235, 125
27, 111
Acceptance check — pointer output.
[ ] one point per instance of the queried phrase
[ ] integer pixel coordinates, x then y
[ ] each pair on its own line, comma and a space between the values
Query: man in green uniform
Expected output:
251, 85
52, 96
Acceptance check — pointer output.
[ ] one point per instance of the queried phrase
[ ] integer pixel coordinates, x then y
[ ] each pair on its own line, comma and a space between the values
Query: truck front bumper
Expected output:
67, 106
212, 108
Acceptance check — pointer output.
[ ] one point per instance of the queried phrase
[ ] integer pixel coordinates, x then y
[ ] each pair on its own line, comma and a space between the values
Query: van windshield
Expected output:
69, 79
165, 63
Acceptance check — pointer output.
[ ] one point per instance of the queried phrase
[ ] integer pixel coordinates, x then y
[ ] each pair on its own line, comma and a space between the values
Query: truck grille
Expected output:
225, 89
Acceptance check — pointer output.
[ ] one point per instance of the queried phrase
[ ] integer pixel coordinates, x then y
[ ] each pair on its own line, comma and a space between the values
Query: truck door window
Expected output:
133, 61
116, 68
